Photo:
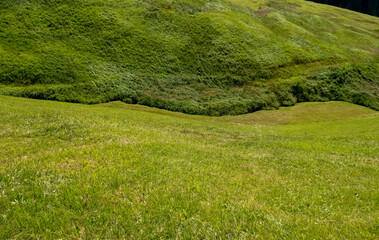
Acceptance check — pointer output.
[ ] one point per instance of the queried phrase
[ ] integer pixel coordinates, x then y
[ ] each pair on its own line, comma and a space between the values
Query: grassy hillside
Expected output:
211, 57
301, 113
76, 171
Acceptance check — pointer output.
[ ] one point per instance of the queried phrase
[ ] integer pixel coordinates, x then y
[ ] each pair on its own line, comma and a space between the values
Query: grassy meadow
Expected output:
204, 57
112, 171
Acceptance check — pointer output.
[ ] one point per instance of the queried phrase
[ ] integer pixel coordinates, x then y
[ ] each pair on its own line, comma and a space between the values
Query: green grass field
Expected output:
115, 171
204, 57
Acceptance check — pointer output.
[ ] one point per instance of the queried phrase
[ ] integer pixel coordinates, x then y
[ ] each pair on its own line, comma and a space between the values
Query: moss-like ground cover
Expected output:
208, 57
77, 171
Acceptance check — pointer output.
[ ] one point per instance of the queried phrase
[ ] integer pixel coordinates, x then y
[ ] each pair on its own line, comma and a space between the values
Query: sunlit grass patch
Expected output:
128, 171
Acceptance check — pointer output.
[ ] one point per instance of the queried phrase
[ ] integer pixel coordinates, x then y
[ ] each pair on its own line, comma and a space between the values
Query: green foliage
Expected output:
201, 57
354, 83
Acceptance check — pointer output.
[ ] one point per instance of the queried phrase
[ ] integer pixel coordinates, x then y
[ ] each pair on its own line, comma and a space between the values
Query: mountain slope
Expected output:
199, 57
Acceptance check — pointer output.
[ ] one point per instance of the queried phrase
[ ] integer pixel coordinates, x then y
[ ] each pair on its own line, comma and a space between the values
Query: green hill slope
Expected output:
70, 171
210, 57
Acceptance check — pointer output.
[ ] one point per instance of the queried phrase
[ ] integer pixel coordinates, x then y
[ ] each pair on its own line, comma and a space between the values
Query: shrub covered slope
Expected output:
211, 57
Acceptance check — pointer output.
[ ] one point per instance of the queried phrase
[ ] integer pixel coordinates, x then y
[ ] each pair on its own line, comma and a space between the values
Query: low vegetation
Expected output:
117, 171
213, 57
